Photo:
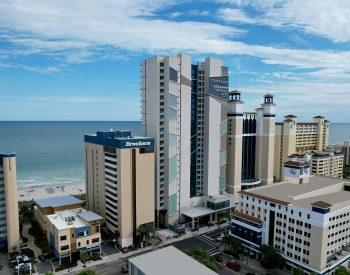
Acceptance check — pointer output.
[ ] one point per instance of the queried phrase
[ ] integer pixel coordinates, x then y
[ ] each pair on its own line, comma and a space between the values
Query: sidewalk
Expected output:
30, 238
123, 256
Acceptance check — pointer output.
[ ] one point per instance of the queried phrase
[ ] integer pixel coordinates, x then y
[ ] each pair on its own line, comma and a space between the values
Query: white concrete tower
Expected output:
234, 143
266, 139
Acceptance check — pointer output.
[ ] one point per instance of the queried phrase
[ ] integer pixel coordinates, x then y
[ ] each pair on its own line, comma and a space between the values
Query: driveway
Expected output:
108, 248
43, 267
30, 238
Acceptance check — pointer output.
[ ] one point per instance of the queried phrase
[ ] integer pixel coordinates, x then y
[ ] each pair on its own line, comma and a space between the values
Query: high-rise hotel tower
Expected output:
184, 108
250, 149
9, 222
120, 181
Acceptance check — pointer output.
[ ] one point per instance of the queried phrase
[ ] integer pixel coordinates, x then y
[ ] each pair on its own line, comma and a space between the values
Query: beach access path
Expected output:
30, 238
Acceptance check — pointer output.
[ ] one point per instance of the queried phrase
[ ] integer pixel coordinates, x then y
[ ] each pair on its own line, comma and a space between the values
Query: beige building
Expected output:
251, 139
52, 205
307, 223
120, 182
293, 137
328, 163
9, 222
74, 231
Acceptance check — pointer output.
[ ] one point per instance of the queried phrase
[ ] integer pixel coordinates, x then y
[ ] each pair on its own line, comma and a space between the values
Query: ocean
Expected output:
52, 152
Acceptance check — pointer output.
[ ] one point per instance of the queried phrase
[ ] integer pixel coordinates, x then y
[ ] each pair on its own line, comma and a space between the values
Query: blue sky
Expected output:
79, 60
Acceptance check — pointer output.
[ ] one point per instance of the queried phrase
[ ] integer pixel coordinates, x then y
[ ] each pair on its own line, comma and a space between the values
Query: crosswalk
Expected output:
214, 248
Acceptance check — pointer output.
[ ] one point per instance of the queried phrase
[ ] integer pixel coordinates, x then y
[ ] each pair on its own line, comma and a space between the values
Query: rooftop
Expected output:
74, 218
57, 201
119, 139
327, 190
171, 261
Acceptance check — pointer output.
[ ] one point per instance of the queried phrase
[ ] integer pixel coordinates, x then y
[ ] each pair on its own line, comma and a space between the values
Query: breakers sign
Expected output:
218, 86
137, 143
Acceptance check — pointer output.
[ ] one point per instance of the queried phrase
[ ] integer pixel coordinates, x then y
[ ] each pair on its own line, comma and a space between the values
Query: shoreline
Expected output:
50, 190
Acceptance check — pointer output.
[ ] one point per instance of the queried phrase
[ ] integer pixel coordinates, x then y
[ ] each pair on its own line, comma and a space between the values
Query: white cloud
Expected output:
326, 18
234, 15
199, 12
175, 14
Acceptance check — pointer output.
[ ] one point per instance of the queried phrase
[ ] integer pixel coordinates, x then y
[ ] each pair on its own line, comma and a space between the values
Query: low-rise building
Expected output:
52, 205
168, 260
308, 223
329, 163
74, 231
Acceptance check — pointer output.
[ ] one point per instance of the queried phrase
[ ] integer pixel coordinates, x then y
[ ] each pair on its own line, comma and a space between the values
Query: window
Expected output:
97, 228
72, 235
64, 247
81, 234
87, 242
96, 240
63, 238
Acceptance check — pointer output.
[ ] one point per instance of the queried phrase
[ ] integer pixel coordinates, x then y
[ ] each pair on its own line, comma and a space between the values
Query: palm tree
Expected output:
226, 240
144, 230
235, 244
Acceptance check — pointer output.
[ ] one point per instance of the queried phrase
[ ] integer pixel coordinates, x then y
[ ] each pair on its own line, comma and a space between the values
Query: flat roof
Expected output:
57, 201
73, 218
169, 261
197, 212
318, 189
119, 139
89, 216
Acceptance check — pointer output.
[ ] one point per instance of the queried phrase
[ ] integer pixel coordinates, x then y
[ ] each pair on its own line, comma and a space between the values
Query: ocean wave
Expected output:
25, 183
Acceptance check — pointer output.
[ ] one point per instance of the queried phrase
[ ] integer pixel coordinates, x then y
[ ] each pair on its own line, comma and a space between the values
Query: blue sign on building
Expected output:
218, 87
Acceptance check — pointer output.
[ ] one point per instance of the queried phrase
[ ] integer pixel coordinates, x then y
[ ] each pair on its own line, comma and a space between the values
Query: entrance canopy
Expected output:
197, 212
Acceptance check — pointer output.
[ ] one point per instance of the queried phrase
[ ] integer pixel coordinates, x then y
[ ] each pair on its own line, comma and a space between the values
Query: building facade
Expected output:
44, 207
250, 147
307, 223
297, 137
120, 181
74, 231
328, 163
346, 152
184, 108
9, 221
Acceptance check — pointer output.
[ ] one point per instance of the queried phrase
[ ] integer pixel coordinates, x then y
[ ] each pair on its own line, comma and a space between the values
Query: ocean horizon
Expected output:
51, 152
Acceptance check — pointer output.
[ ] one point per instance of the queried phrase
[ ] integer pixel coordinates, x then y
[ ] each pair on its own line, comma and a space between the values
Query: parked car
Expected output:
233, 265
220, 237
218, 258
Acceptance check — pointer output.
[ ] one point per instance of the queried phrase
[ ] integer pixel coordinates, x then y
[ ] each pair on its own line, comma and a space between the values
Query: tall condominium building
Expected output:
296, 137
307, 223
120, 181
251, 138
9, 222
184, 108
329, 163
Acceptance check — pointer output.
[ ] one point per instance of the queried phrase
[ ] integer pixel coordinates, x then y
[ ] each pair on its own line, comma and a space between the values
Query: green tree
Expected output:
235, 244
270, 258
342, 271
202, 256
84, 257
87, 272
226, 240
298, 271
49, 273
144, 230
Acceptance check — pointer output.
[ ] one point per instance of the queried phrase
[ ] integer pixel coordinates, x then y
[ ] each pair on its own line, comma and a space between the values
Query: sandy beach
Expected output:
47, 191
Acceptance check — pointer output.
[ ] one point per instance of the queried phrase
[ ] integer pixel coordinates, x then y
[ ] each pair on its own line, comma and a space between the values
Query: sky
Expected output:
79, 60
